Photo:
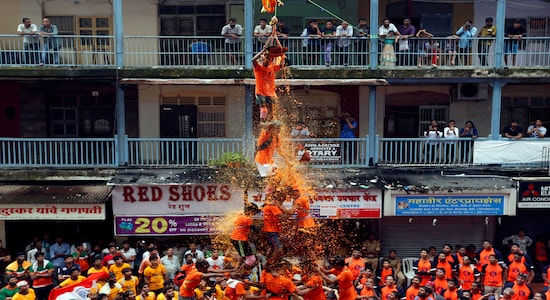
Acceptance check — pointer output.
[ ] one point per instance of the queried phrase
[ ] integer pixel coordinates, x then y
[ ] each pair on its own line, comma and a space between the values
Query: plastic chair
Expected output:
201, 53
408, 271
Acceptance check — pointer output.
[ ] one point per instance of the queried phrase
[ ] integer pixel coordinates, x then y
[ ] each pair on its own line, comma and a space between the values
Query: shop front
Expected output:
73, 212
413, 220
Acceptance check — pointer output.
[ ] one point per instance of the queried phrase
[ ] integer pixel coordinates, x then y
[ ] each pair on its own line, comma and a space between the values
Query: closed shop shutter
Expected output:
408, 235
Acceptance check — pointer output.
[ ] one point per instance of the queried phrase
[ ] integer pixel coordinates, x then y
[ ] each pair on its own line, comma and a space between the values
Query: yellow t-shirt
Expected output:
94, 270
29, 296
150, 296
129, 284
162, 297
118, 270
155, 277
69, 281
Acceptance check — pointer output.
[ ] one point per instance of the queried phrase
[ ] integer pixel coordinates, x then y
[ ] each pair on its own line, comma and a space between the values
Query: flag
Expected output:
78, 291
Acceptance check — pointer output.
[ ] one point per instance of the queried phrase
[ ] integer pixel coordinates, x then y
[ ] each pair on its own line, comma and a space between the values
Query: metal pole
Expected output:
372, 125
373, 65
495, 111
248, 32
119, 60
499, 46
248, 121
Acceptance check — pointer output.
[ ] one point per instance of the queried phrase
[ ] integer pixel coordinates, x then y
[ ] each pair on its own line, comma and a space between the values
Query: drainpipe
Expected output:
122, 152
249, 23
249, 145
495, 111
372, 126
373, 35
499, 46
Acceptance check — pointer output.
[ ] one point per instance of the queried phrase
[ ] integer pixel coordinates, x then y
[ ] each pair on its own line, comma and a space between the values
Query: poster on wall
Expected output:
337, 203
319, 152
165, 225
534, 194
449, 205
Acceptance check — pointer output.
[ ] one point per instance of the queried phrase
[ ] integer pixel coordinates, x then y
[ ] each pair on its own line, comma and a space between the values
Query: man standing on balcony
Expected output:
31, 45
537, 130
363, 31
407, 31
262, 32
344, 32
466, 33
488, 33
232, 33
49, 32
514, 34
513, 131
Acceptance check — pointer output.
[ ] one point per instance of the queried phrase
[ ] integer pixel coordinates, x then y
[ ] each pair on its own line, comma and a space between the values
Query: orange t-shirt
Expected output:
521, 292
476, 295
192, 280
356, 265
369, 293
317, 293
384, 272
188, 268
271, 218
265, 79
424, 266
493, 275
511, 258
412, 292
279, 285
484, 255
346, 290
450, 295
514, 268
467, 275
440, 285
304, 218
234, 290
265, 156
385, 291
241, 228
446, 265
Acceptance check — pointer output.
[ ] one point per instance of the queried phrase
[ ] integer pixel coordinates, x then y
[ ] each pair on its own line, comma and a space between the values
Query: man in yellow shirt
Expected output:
155, 275
74, 278
168, 294
118, 266
129, 282
25, 293
97, 267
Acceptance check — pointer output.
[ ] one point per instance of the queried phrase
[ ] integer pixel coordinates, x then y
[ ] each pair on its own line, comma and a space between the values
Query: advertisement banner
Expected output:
320, 151
181, 199
449, 205
52, 212
165, 225
534, 194
334, 203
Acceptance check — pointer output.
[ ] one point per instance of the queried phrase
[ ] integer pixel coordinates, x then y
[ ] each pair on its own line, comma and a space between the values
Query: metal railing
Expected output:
180, 151
314, 152
422, 151
58, 152
213, 52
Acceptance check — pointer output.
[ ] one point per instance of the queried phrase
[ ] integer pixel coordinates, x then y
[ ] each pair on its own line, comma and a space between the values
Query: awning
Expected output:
250, 81
53, 202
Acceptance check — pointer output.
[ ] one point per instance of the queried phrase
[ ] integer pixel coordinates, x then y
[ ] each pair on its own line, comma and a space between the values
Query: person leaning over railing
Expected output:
514, 34
407, 30
469, 131
31, 45
232, 33
488, 32
49, 32
466, 33
363, 33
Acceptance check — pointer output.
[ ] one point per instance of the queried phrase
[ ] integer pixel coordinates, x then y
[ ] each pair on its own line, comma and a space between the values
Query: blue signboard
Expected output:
448, 205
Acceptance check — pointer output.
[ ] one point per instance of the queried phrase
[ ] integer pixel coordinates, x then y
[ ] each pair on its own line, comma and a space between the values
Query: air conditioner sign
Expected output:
534, 194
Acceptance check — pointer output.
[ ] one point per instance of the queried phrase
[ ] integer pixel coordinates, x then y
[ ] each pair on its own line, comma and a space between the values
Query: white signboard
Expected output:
52, 212
182, 199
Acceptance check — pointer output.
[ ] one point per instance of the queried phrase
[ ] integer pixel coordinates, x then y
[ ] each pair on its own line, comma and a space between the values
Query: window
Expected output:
437, 24
210, 113
64, 121
525, 109
200, 20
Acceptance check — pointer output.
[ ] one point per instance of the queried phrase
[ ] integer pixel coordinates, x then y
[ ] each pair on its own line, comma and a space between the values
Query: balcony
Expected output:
323, 152
304, 53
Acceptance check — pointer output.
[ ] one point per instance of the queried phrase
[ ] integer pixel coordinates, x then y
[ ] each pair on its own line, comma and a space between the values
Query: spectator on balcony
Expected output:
469, 131
450, 47
232, 33
283, 32
433, 134
363, 31
344, 32
51, 42
451, 133
537, 130
390, 35
514, 34
312, 42
513, 131
427, 48
466, 33
262, 33
487, 34
407, 31
300, 131
31, 44
328, 32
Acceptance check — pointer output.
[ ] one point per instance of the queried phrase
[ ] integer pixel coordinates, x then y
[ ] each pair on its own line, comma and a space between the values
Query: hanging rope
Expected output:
330, 13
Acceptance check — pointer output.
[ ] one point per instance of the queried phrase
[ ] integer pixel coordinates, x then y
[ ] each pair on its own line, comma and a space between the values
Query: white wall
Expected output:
514, 10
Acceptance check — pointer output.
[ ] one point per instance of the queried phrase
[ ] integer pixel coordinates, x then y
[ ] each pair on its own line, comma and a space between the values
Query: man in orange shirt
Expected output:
483, 255
278, 287
390, 287
386, 270
522, 291
412, 291
444, 263
306, 225
424, 267
492, 276
268, 142
517, 266
345, 278
240, 234
194, 278
452, 291
264, 73
273, 211
467, 274
440, 281
356, 263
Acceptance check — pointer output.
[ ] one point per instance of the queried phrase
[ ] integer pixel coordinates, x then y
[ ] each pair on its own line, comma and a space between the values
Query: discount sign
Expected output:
165, 225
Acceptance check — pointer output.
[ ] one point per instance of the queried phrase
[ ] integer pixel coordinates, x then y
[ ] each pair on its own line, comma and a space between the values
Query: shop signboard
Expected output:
165, 225
319, 152
27, 211
534, 194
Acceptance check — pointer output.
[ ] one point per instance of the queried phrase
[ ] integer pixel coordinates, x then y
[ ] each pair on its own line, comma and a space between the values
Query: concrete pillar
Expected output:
495, 111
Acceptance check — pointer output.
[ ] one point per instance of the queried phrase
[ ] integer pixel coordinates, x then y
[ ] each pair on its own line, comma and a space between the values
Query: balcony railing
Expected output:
321, 153
211, 52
